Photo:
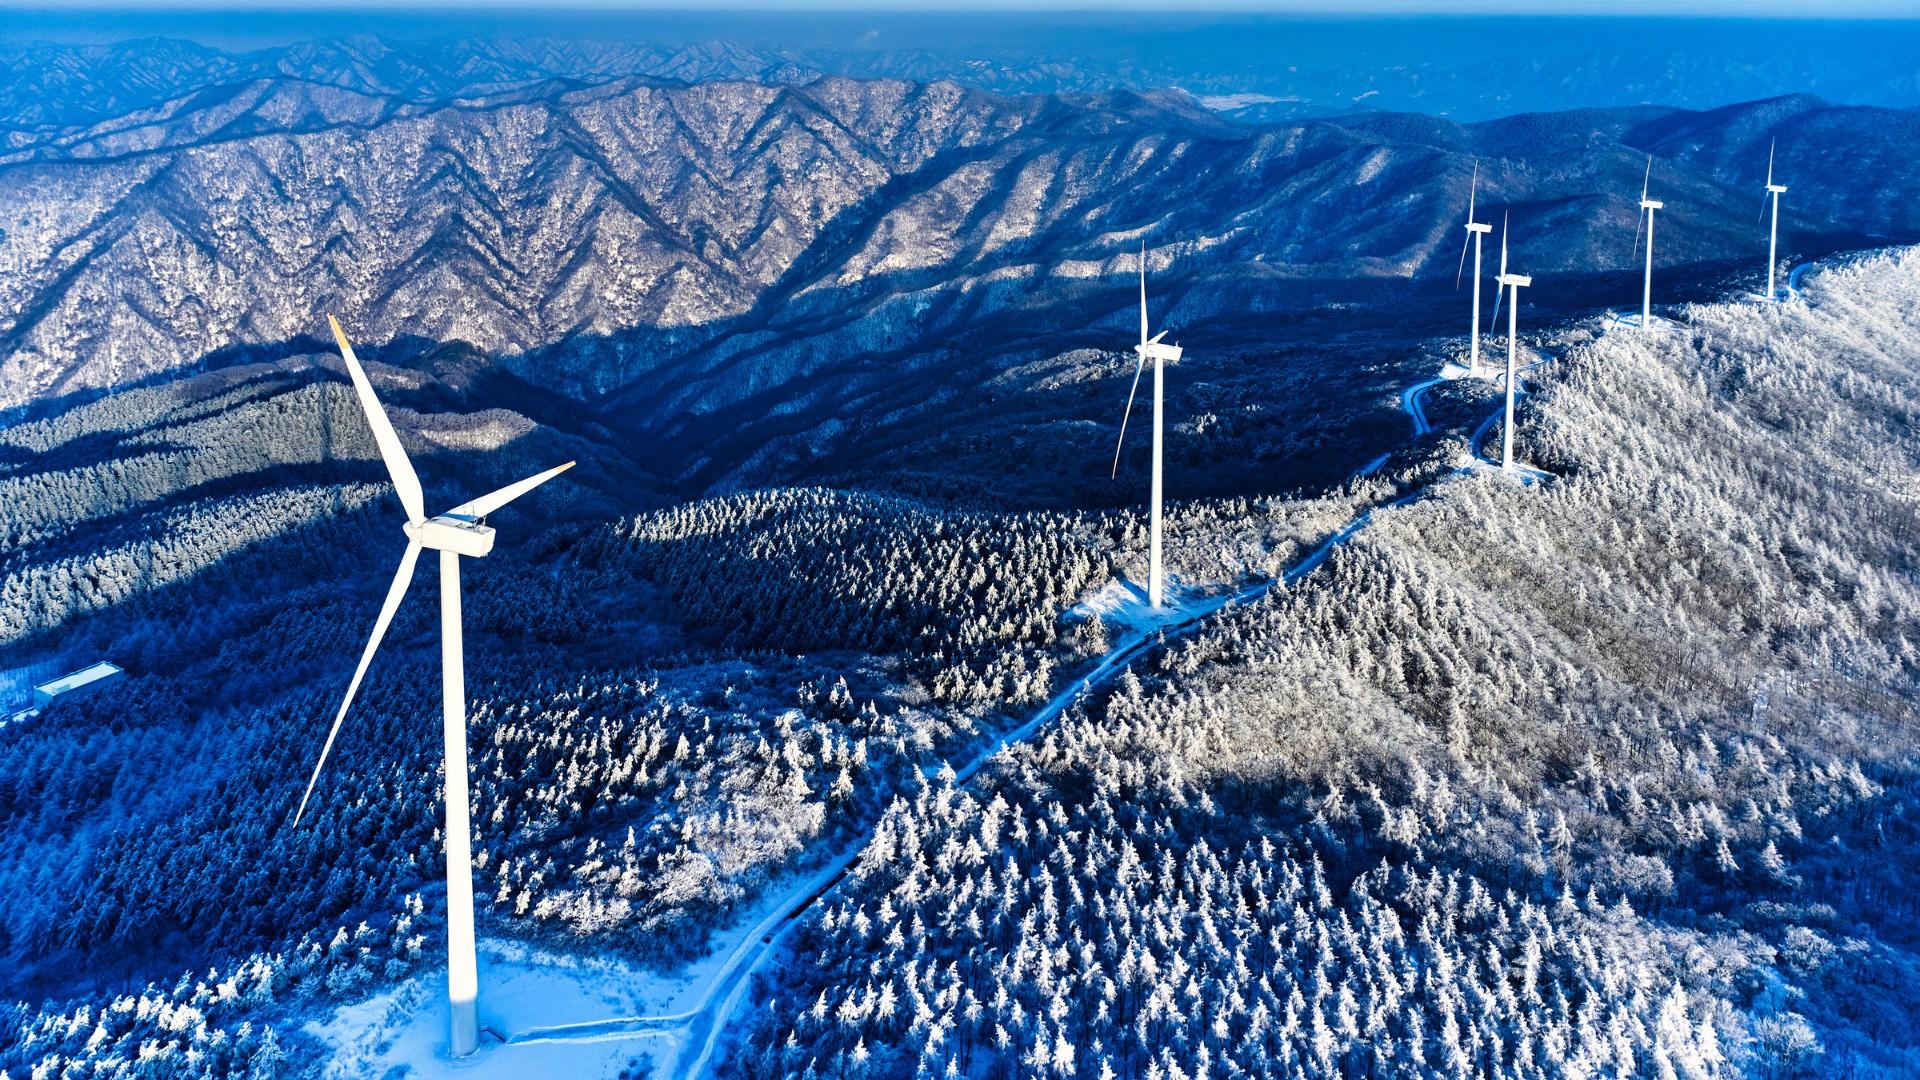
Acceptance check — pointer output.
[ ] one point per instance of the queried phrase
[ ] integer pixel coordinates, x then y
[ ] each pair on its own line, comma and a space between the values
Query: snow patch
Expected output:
1122, 605
488, 429
1376, 163
402, 1032
1229, 102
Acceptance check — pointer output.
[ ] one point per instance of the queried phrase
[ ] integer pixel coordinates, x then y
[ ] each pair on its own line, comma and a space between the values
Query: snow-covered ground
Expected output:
403, 1031
559, 1016
1122, 605
544, 1014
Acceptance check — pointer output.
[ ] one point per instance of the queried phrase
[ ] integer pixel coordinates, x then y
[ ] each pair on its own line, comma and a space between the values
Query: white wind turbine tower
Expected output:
459, 531
1773, 236
1475, 230
1647, 207
1515, 282
1162, 354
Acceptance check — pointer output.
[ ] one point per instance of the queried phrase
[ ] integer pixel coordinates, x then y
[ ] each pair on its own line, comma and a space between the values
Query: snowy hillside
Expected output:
1611, 775
1430, 772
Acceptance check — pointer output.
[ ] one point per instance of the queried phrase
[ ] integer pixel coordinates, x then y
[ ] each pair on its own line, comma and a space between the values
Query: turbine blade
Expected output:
488, 503
401, 579
1500, 292
1504, 214
1637, 222
1764, 192
398, 467
1472, 190
1137, 369
1644, 180
1143, 292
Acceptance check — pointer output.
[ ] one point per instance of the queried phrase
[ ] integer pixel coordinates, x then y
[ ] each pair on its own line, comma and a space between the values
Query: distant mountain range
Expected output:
767, 274
692, 246
1256, 67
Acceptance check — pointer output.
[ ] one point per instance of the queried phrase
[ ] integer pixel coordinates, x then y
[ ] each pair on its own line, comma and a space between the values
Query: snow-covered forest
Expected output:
700, 706
1607, 776
1611, 774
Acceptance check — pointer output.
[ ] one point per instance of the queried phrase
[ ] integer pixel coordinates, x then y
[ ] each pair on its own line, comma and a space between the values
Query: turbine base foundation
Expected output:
465, 1029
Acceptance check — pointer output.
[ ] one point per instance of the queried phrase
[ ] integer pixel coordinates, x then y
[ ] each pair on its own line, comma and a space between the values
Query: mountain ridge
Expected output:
1261, 69
691, 214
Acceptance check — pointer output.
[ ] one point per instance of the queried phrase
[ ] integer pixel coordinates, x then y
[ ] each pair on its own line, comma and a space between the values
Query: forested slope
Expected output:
1613, 774
668, 711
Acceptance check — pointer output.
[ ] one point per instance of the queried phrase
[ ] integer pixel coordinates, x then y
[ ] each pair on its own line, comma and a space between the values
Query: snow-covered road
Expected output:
693, 1033
703, 1024
706, 1022
1413, 401
1480, 433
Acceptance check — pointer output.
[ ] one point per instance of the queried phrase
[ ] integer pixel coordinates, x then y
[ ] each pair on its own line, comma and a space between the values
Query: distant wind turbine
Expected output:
1162, 354
1475, 230
1515, 282
1647, 207
1773, 236
459, 531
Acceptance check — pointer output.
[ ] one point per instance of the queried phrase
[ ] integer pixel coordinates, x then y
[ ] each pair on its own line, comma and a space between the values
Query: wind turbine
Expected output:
1162, 354
1515, 282
460, 531
1773, 236
1647, 207
1475, 230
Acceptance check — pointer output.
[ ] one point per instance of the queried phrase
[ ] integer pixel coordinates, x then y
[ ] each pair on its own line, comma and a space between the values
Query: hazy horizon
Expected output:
265, 25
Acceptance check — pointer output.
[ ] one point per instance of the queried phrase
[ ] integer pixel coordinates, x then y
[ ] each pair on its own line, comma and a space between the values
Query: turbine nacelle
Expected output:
1777, 189
1652, 204
1159, 350
1518, 281
1479, 227
457, 533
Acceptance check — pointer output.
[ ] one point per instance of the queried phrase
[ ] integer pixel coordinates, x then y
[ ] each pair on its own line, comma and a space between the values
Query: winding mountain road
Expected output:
697, 1030
1413, 401
700, 1026
704, 1023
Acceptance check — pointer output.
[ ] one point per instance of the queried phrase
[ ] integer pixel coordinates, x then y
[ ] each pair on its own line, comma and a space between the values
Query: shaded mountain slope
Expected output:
719, 267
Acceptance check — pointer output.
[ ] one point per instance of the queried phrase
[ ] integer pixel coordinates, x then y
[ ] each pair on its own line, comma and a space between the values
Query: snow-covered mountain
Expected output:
818, 723
1248, 65
696, 246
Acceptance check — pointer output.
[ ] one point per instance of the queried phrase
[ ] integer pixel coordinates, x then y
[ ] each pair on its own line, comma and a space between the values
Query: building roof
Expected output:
78, 679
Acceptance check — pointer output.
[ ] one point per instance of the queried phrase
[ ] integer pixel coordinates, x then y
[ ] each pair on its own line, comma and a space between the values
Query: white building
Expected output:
85, 678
